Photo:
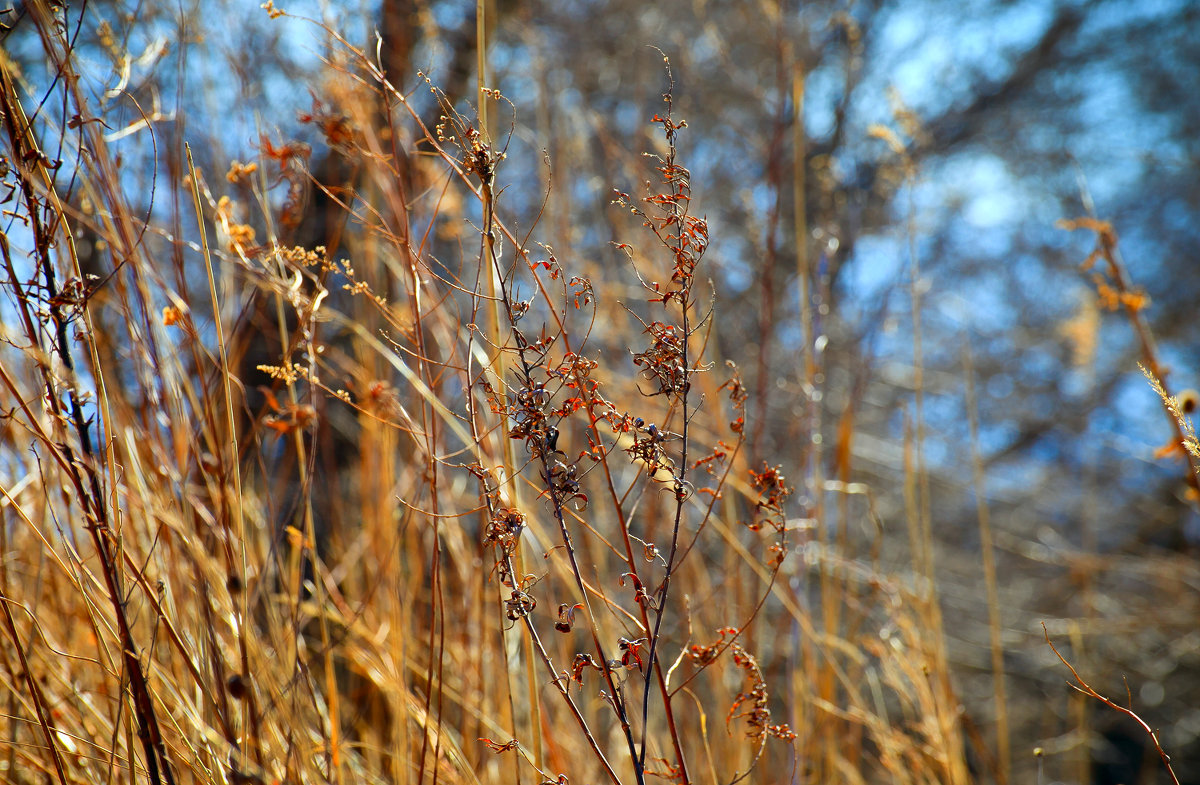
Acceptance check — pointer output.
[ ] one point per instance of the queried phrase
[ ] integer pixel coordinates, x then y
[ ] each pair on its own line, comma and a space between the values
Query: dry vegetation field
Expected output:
422, 496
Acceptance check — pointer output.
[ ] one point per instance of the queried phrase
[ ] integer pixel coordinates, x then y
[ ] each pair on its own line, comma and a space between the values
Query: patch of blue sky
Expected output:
1039, 362
1180, 362
924, 79
1178, 215
502, 57
790, 334
1078, 382
934, 48
1011, 479
706, 48
878, 262
998, 387
1112, 147
995, 436
627, 117
1111, 17
1043, 285
822, 91
568, 102
1136, 413
978, 308
993, 243
1141, 248
449, 16
737, 265
992, 196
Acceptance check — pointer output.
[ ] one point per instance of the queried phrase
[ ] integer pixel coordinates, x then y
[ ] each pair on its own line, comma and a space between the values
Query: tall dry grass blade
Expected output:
233, 460
995, 623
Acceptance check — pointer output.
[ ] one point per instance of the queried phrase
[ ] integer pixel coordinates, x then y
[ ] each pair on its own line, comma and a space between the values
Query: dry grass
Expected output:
492, 517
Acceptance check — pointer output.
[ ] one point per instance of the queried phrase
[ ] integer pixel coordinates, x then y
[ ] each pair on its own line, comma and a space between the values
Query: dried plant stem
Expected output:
447, 450
44, 716
563, 687
1108, 249
29, 164
1003, 745
631, 565
499, 360
946, 717
232, 463
491, 263
677, 204
1083, 687
804, 675
800, 209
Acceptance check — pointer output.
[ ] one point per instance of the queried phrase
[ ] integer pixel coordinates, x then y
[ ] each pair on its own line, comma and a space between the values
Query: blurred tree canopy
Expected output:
945, 137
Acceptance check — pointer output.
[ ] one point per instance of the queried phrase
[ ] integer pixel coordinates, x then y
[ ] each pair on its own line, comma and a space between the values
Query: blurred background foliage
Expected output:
950, 134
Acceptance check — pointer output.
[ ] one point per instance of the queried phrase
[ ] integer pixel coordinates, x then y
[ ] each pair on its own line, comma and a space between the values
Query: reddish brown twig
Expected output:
1086, 689
1118, 292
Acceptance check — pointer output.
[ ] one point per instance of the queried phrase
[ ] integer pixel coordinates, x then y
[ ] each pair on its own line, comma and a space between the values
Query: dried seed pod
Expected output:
237, 687
1188, 400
